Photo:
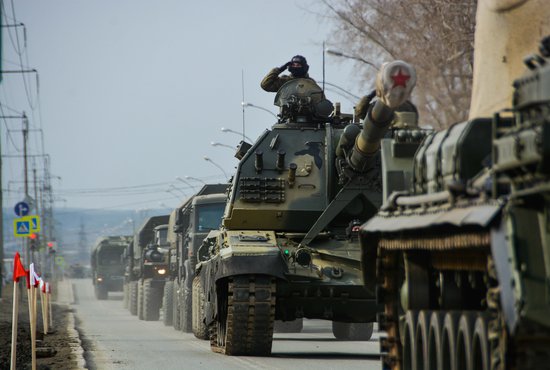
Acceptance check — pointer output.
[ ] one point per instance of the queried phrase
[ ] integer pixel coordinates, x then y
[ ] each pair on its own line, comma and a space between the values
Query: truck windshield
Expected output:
162, 236
110, 257
209, 216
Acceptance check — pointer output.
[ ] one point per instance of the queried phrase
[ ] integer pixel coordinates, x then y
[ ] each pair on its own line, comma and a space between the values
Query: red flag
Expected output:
18, 269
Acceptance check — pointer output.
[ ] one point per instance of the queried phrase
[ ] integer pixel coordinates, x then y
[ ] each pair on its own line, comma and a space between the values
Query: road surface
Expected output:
114, 339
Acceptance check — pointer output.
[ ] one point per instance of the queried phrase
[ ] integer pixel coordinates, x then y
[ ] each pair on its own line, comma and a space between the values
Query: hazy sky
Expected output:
132, 92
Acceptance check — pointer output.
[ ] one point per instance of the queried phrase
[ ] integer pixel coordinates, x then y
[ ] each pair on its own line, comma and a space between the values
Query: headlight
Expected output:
99, 279
161, 271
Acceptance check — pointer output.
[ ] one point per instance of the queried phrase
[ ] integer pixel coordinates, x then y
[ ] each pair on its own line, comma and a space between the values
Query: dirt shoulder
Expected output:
59, 341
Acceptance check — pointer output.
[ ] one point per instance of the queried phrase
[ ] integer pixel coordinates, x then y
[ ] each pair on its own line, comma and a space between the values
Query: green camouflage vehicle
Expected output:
288, 248
107, 265
462, 255
147, 268
188, 226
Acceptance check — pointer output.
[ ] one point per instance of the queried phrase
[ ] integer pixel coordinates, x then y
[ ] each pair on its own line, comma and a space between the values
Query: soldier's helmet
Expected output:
298, 66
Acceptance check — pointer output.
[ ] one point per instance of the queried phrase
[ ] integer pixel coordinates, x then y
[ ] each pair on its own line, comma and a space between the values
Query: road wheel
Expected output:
295, 326
352, 331
152, 298
168, 303
176, 319
199, 327
187, 310
140, 299
133, 297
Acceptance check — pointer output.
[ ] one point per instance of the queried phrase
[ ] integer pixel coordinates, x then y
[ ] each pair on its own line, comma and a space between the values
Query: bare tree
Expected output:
436, 36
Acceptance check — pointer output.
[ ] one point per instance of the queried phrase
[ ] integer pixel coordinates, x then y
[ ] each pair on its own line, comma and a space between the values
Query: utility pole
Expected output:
2, 209
26, 178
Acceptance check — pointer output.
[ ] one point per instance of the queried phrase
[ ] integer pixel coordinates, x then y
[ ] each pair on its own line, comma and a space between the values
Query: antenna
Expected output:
323, 66
242, 87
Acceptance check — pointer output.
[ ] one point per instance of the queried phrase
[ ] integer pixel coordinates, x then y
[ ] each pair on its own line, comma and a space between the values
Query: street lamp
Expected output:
177, 189
215, 143
342, 90
224, 129
173, 194
195, 179
246, 105
185, 182
338, 53
217, 165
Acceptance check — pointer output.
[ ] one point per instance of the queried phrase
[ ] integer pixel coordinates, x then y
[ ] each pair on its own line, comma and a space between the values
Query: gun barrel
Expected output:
367, 143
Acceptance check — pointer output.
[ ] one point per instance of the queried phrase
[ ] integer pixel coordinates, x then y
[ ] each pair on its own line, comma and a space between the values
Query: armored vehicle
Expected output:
107, 266
288, 247
461, 256
188, 226
147, 268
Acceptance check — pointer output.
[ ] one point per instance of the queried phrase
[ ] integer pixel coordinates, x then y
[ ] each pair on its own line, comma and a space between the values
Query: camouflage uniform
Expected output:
272, 82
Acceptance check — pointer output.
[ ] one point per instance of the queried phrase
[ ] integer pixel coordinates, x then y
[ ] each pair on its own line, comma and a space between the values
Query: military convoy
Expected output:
107, 267
442, 237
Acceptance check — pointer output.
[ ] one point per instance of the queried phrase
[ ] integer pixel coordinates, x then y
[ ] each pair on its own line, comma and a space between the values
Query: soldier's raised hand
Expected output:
284, 67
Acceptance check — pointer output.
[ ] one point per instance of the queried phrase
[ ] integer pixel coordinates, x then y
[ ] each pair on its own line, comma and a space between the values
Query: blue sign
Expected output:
21, 209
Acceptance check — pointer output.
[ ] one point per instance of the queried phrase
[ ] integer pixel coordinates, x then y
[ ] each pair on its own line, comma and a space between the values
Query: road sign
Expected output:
21, 209
21, 227
34, 222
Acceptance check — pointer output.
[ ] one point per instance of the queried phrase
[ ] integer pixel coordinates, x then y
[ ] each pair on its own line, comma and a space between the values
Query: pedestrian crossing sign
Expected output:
25, 226
21, 227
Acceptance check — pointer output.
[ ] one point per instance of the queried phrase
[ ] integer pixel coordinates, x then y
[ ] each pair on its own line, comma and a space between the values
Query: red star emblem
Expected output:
400, 79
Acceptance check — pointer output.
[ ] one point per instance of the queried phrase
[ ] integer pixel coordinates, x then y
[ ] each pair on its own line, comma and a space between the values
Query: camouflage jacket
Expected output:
272, 82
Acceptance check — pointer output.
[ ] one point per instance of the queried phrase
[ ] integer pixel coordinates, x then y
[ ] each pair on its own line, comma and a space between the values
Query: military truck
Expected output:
107, 267
461, 256
188, 226
288, 247
147, 268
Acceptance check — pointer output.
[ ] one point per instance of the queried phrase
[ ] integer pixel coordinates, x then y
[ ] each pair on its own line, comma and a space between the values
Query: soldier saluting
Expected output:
297, 67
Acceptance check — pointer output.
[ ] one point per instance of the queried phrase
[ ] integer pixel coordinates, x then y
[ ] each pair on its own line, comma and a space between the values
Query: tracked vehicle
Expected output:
462, 256
289, 246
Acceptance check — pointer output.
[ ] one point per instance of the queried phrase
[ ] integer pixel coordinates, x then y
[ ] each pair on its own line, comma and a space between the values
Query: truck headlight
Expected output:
99, 279
161, 271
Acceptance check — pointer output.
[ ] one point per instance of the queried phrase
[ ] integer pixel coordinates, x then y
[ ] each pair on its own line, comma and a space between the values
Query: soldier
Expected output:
297, 67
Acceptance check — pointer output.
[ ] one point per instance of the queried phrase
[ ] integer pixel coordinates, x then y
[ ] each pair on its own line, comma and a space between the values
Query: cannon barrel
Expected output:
367, 143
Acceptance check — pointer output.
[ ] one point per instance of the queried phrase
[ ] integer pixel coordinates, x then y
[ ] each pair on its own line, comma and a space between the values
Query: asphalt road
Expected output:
114, 339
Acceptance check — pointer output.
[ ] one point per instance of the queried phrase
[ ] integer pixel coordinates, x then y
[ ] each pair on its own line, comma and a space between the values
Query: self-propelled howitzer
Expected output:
288, 246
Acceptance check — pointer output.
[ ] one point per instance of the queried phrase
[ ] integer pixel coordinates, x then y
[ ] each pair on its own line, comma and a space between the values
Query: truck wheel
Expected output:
125, 295
133, 301
187, 310
152, 299
140, 299
176, 310
199, 327
168, 303
101, 292
352, 331
295, 326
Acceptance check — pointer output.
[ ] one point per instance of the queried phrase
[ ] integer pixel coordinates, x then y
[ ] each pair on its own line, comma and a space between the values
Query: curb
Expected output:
76, 348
